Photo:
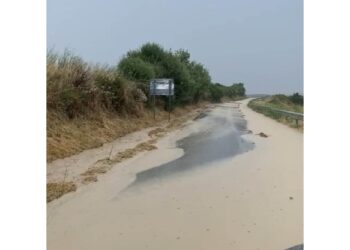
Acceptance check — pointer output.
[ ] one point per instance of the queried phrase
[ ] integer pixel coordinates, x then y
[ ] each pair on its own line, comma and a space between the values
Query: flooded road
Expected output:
219, 138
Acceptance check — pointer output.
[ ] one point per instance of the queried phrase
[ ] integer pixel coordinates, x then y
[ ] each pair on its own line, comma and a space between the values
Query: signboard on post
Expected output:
164, 87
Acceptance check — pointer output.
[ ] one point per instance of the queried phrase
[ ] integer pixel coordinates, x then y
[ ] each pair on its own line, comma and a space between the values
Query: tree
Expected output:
183, 55
297, 99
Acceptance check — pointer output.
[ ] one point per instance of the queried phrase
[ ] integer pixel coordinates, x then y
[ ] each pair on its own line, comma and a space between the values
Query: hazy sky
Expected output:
258, 42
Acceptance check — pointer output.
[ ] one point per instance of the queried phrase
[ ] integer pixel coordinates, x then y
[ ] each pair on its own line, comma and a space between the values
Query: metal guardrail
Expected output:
294, 115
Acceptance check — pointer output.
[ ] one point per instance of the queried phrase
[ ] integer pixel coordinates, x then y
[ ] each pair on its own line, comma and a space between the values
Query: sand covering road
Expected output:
251, 201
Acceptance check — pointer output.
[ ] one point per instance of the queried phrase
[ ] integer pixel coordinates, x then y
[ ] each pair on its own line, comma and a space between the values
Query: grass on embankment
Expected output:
66, 137
281, 102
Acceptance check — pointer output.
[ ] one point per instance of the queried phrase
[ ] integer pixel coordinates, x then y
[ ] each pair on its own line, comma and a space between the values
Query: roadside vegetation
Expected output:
88, 105
268, 105
192, 80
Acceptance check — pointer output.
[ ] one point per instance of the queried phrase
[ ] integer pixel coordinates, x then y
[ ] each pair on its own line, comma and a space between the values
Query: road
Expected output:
215, 184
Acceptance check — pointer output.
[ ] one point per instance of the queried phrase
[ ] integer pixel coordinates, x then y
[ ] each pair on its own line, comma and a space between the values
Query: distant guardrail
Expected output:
278, 112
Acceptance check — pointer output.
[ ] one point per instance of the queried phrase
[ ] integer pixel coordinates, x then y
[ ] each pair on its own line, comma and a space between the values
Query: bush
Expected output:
216, 93
296, 98
135, 68
69, 84
119, 94
76, 88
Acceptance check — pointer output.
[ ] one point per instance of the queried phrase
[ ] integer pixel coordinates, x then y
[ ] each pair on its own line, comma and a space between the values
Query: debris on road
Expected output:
200, 116
261, 134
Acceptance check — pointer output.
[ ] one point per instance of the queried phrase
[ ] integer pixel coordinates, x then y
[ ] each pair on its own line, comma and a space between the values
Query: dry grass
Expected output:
66, 137
131, 152
102, 166
99, 167
89, 179
54, 190
158, 132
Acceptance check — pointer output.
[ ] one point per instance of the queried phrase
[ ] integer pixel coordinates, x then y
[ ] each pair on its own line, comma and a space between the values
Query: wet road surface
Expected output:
219, 138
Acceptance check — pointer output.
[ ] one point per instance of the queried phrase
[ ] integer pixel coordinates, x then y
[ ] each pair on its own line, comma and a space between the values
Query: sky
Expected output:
257, 42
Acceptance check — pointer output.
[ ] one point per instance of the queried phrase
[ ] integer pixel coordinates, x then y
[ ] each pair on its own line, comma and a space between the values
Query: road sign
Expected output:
162, 87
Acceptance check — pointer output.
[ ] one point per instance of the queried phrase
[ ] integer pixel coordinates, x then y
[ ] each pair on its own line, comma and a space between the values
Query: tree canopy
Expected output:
192, 80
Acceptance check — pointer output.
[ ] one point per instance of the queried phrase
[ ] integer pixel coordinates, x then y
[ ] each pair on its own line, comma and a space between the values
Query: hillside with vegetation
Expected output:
91, 104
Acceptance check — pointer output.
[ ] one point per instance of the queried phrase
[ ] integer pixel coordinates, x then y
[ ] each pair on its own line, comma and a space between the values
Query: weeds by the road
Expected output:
102, 166
66, 137
54, 190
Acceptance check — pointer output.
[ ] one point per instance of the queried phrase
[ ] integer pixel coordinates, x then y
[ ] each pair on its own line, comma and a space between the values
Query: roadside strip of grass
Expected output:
271, 107
66, 137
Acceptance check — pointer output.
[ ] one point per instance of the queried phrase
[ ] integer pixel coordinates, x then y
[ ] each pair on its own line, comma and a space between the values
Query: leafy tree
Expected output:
152, 53
183, 55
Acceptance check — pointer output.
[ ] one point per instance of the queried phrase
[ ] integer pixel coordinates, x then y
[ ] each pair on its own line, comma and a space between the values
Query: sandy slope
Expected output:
251, 201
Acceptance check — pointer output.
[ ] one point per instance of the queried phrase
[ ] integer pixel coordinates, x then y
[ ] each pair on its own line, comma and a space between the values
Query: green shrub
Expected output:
296, 98
152, 53
135, 68
216, 93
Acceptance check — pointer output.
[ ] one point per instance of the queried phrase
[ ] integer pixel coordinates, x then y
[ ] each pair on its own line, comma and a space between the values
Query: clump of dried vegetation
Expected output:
102, 166
54, 190
157, 132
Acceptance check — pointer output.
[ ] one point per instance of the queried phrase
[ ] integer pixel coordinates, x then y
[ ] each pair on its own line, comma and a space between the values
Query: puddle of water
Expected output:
221, 139
298, 247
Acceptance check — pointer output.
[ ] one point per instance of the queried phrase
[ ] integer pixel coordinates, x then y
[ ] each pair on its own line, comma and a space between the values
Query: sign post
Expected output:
169, 101
163, 87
